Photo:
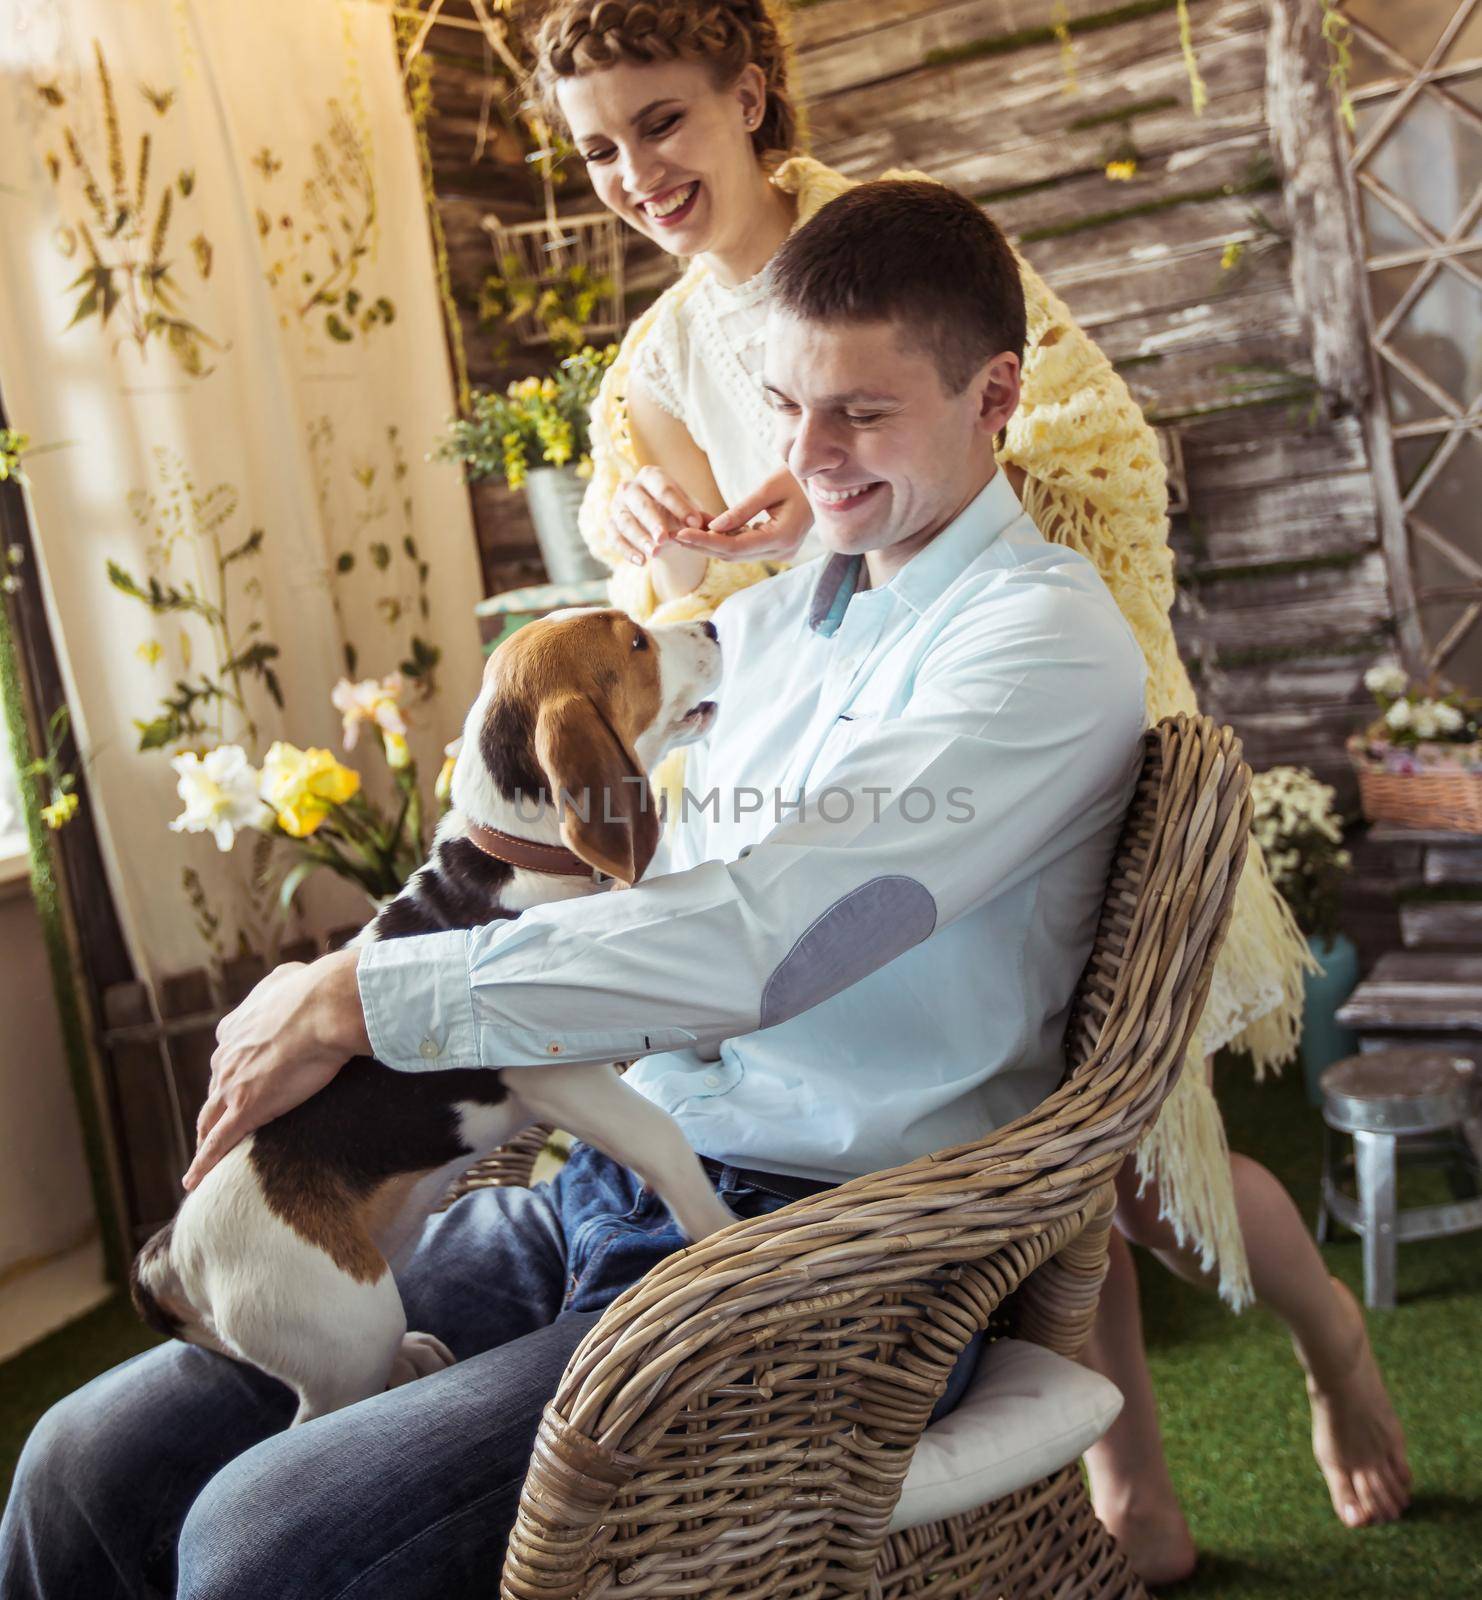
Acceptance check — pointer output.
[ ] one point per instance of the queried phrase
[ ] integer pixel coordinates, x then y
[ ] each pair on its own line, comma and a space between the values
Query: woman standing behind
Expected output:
681, 111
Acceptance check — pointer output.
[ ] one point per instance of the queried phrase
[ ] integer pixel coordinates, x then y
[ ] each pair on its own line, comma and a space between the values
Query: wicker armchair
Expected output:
738, 1424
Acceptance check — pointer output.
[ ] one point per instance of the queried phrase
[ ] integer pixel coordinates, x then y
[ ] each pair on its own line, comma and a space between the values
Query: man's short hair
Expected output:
911, 252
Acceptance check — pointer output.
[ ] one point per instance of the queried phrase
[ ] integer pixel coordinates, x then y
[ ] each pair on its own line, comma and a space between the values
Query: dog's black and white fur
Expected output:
283, 1254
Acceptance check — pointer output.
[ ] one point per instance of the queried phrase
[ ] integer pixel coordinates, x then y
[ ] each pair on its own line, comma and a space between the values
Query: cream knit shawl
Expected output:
1094, 481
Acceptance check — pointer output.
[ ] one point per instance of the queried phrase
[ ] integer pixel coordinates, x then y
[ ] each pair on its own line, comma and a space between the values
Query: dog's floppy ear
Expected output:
608, 815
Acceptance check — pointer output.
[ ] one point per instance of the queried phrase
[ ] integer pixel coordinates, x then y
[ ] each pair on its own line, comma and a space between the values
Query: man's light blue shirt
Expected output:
885, 969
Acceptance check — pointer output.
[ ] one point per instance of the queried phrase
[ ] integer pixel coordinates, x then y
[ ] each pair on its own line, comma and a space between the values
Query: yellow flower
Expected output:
149, 652
398, 751
1121, 171
60, 812
301, 786
1230, 255
555, 435
514, 459
443, 789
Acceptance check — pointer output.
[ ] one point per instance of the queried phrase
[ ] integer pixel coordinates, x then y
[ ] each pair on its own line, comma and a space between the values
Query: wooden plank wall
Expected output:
1283, 597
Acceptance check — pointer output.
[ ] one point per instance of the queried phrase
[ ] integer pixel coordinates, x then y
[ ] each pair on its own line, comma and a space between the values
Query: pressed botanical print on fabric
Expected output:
125, 212
221, 319
319, 241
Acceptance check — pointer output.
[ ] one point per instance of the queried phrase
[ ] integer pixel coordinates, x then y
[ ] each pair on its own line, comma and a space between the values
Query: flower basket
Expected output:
543, 264
1420, 786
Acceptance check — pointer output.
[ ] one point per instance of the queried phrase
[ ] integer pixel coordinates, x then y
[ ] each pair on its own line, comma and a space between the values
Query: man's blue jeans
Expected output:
175, 1474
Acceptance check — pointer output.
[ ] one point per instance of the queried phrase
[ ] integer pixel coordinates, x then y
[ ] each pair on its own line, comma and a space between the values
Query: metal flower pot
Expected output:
554, 496
1325, 1039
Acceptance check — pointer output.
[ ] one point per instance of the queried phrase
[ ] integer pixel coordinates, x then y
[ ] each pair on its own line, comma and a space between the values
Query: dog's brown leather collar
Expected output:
526, 853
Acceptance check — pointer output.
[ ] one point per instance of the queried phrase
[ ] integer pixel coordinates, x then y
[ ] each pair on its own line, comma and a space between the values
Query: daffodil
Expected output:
302, 785
398, 751
220, 792
377, 703
60, 812
443, 789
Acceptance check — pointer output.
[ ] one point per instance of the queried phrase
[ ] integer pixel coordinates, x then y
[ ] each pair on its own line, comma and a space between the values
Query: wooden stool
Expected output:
1389, 1100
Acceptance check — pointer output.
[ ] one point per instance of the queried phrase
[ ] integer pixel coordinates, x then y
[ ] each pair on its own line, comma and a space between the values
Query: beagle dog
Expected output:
283, 1256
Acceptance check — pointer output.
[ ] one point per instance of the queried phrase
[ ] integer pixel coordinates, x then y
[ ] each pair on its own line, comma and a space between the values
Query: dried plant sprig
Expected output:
1198, 94
1339, 36
90, 187
116, 170
1060, 22
141, 188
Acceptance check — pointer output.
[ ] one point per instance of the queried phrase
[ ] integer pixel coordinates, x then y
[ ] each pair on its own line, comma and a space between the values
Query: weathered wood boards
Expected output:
1419, 992
1183, 274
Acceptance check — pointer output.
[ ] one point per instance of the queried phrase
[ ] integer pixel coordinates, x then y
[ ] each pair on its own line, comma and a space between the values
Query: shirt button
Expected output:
712, 1080
553, 1049
429, 1050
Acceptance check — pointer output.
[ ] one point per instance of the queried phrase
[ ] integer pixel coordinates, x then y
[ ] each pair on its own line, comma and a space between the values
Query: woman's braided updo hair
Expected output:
577, 36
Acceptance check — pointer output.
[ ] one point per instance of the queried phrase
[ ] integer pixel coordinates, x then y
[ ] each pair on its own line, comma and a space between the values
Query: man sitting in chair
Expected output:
818, 990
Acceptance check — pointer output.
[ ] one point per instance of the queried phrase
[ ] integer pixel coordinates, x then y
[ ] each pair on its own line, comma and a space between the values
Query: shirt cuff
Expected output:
418, 1002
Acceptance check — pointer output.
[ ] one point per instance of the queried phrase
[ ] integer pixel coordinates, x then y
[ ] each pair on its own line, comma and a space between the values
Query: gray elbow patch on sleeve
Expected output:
871, 925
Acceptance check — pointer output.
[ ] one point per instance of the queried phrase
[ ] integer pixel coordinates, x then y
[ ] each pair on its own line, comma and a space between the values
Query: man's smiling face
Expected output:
886, 455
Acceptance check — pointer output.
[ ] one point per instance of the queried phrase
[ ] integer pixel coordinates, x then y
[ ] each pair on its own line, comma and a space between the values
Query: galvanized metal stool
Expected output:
1393, 1102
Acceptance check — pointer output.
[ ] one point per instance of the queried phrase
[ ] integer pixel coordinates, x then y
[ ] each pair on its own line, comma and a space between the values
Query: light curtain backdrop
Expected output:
218, 289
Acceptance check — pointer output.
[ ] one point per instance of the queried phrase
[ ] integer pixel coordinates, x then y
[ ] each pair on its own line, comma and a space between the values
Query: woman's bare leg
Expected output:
1356, 1436
1130, 1485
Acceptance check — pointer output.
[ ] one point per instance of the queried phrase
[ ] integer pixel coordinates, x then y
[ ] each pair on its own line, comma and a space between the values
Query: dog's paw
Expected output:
421, 1355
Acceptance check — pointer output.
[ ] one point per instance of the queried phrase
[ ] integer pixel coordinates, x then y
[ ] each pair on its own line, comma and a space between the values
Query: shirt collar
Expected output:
929, 572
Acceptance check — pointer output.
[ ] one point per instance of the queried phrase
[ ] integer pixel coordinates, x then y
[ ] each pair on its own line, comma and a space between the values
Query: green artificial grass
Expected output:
1232, 1403
1234, 1410
53, 1368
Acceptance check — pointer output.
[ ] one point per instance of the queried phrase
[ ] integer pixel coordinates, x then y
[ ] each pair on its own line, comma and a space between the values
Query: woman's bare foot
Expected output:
1155, 1539
1130, 1484
1356, 1435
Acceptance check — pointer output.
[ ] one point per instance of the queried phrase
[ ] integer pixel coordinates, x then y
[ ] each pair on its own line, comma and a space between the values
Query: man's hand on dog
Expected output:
285, 1041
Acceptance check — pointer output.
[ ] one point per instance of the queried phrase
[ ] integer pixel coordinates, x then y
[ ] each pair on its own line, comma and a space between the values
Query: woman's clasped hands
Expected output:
652, 517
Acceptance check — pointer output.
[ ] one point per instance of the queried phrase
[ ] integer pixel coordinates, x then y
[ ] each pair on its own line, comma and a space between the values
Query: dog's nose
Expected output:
709, 628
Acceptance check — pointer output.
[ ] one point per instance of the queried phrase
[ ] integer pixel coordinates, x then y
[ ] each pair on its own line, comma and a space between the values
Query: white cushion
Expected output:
1027, 1412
